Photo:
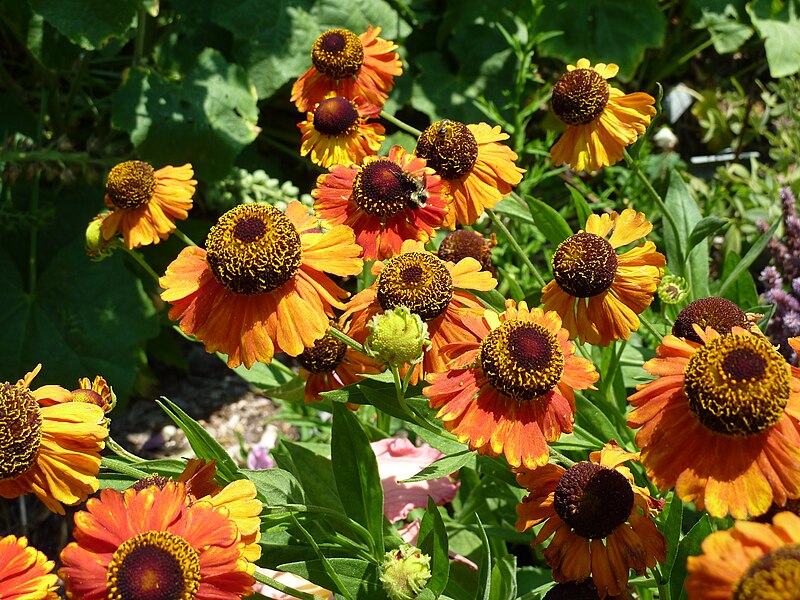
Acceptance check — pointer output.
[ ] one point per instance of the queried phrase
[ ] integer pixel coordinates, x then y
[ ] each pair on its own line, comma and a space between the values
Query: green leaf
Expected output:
705, 227
201, 442
610, 32
688, 546
582, 207
276, 486
355, 469
743, 290
483, 592
504, 578
727, 30
510, 207
589, 417
358, 577
374, 393
444, 466
672, 529
549, 221
88, 23
264, 377
778, 24
206, 120
752, 255
314, 473
432, 541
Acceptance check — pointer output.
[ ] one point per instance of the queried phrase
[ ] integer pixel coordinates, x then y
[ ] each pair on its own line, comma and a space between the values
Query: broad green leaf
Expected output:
359, 577
705, 227
276, 486
491, 299
752, 255
432, 541
504, 578
444, 466
510, 207
314, 473
778, 23
610, 32
378, 394
88, 23
591, 416
688, 546
727, 30
355, 469
201, 442
206, 120
264, 377
549, 221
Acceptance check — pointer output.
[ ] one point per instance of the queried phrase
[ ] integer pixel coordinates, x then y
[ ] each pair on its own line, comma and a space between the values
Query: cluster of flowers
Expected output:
718, 424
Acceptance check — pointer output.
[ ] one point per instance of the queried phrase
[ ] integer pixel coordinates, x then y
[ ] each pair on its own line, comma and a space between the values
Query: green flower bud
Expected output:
96, 247
672, 289
397, 336
405, 572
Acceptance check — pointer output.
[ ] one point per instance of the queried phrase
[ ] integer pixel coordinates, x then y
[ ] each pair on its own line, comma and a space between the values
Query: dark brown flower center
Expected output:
584, 265
521, 359
573, 591
774, 576
145, 482
449, 147
131, 184
253, 249
326, 354
462, 243
580, 96
418, 281
593, 500
381, 188
718, 313
737, 385
338, 53
155, 565
20, 430
335, 116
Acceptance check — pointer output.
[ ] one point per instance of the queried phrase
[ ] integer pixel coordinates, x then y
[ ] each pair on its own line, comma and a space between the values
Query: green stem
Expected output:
282, 367
663, 584
561, 458
650, 327
277, 585
517, 248
633, 164
112, 445
138, 49
123, 468
142, 263
401, 400
404, 126
343, 337
183, 237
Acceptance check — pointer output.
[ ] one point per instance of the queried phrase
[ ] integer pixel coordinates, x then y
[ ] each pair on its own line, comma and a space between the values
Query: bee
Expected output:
441, 130
415, 191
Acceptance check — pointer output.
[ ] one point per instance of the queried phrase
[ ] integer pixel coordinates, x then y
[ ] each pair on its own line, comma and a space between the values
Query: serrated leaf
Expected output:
432, 541
778, 24
314, 473
444, 467
549, 221
276, 486
88, 23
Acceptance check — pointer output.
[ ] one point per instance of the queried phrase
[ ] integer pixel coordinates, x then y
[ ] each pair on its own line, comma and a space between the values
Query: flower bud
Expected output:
397, 336
405, 572
96, 247
672, 289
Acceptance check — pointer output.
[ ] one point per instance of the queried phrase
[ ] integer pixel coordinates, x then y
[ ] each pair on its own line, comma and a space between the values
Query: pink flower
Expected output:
399, 459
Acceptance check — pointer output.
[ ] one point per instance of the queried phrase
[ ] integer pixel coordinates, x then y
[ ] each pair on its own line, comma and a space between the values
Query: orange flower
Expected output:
720, 424
260, 286
51, 446
385, 201
751, 560
602, 521
336, 133
597, 292
27, 574
477, 170
331, 364
429, 287
601, 120
129, 543
513, 390
351, 66
145, 202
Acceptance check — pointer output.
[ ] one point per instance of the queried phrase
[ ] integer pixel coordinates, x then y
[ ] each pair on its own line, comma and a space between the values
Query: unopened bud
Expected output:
397, 336
405, 572
672, 289
97, 247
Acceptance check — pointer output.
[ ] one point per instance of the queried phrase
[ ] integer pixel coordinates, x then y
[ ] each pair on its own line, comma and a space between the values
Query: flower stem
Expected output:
401, 400
515, 245
343, 337
142, 263
112, 445
650, 327
183, 237
404, 126
560, 458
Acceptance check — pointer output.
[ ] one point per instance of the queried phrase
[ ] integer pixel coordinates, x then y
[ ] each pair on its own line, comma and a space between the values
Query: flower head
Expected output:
597, 292
145, 203
128, 544
673, 289
512, 391
462, 243
350, 65
601, 519
720, 314
748, 562
732, 401
476, 168
260, 286
50, 445
601, 120
27, 573
385, 201
405, 572
336, 133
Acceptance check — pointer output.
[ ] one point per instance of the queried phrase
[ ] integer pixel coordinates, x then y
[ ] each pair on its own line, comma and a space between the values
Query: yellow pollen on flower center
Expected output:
155, 565
449, 148
593, 500
253, 249
580, 96
774, 576
326, 354
131, 184
521, 359
379, 188
20, 430
737, 384
335, 116
338, 53
584, 265
418, 281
